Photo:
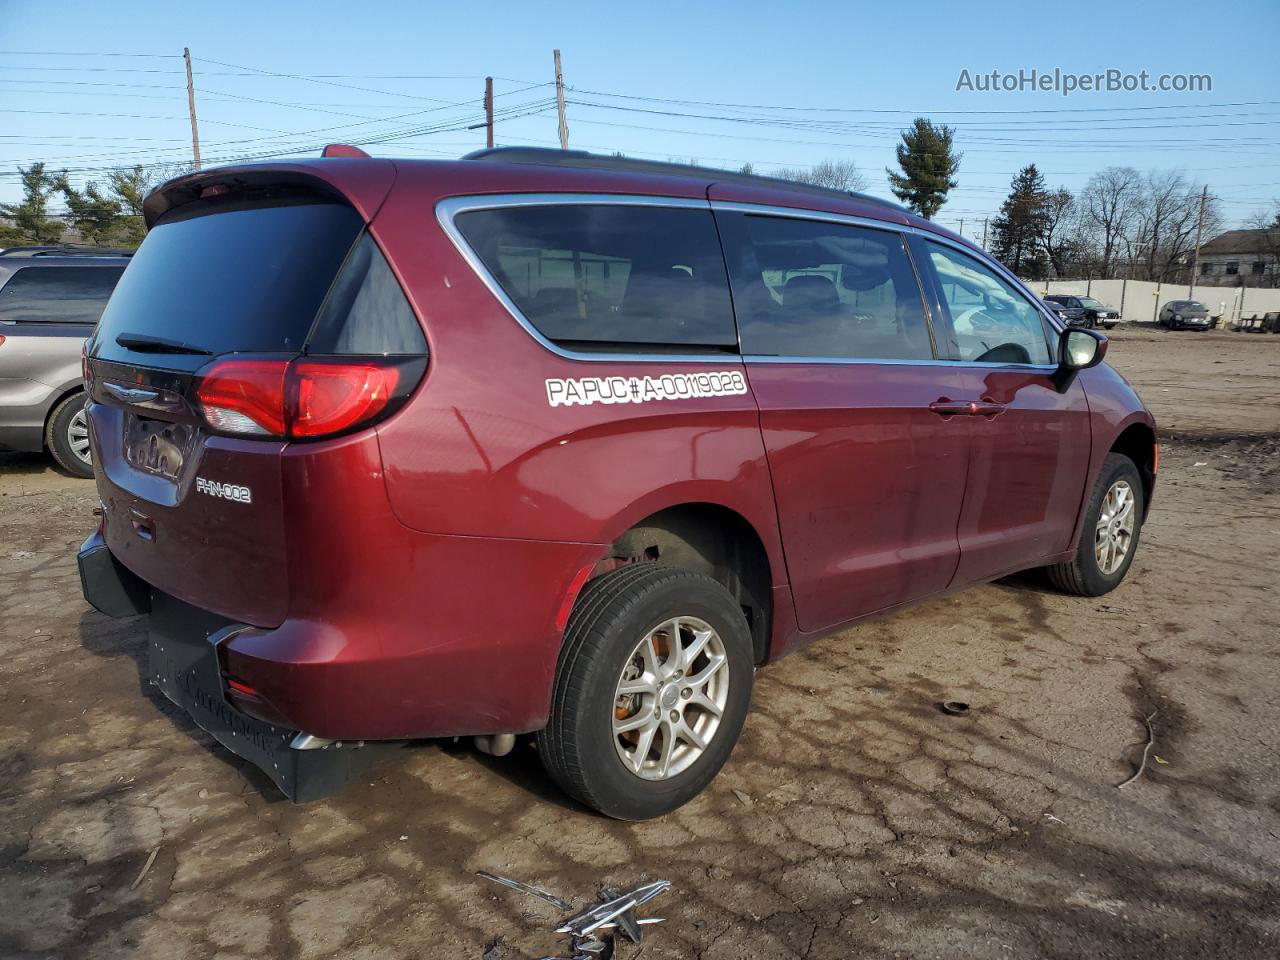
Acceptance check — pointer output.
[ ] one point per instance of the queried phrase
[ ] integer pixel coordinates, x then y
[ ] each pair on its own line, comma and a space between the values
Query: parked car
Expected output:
50, 299
539, 442
1058, 310
1086, 311
1184, 315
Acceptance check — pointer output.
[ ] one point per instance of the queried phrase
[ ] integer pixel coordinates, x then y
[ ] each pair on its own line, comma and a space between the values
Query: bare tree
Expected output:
1109, 207
833, 174
1059, 231
1165, 230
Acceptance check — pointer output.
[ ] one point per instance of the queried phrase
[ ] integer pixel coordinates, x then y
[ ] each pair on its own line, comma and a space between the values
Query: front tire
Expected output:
1109, 533
66, 435
651, 691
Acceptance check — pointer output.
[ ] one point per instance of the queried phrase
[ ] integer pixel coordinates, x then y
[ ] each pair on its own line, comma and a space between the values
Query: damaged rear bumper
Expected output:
183, 663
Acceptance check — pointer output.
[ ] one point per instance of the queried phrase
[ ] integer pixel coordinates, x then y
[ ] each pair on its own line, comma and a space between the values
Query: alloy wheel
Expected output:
78, 436
1113, 536
670, 698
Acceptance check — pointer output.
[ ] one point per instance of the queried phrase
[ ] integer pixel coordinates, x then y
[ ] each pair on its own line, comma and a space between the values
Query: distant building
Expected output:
1240, 258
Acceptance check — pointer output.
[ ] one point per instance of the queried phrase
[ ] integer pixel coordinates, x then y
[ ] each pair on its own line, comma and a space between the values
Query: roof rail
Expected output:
581, 158
63, 251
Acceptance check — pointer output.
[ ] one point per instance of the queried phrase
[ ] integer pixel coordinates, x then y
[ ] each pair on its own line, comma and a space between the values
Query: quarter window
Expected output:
807, 288
57, 294
993, 323
610, 276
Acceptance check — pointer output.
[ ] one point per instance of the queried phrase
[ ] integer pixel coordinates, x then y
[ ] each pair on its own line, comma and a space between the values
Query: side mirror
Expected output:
1081, 349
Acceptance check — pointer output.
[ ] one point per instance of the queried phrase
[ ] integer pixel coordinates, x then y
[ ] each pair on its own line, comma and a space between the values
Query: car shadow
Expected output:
112, 638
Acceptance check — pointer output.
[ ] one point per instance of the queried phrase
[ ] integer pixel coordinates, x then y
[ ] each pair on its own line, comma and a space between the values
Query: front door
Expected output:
1029, 454
868, 460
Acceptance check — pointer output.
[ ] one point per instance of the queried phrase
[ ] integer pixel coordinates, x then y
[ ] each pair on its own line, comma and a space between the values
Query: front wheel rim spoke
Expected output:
701, 700
668, 749
709, 671
634, 722
643, 746
689, 735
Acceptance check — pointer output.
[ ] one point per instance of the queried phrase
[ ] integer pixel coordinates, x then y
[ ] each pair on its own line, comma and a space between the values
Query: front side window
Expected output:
993, 323
598, 277
57, 294
805, 288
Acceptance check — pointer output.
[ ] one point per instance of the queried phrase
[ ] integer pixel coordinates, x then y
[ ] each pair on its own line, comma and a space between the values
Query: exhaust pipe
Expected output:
498, 745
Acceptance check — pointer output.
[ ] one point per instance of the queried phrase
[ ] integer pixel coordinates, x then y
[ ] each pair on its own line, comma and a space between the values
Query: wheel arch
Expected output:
1137, 441
710, 538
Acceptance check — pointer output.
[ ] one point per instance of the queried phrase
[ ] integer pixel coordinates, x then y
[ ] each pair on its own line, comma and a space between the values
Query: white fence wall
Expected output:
1140, 300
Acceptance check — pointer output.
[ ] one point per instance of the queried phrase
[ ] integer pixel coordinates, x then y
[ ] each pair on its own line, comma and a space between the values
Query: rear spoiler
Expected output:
362, 182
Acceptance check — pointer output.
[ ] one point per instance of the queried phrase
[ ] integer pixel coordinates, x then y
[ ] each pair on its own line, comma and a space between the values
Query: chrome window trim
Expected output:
896, 362
799, 213
449, 208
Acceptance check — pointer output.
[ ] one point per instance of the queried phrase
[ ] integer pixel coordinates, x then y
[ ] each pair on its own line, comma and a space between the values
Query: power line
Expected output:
104, 53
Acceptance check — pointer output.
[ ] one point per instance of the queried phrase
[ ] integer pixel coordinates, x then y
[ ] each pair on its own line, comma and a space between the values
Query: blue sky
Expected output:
857, 72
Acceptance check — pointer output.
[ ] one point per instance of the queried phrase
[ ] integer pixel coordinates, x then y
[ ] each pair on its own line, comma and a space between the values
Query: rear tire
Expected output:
66, 435
619, 635
1098, 568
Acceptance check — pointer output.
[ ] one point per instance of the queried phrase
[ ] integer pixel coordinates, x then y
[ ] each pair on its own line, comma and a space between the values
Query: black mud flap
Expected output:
184, 665
110, 586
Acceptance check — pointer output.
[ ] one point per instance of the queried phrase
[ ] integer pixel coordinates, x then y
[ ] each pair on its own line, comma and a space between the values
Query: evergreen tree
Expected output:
929, 165
130, 188
1018, 231
30, 219
95, 217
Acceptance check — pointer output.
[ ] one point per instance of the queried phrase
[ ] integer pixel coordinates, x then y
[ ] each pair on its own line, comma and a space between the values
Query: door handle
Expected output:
944, 407
986, 407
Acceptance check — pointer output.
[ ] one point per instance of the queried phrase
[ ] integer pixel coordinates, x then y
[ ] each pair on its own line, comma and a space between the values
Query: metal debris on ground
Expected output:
531, 890
588, 939
954, 707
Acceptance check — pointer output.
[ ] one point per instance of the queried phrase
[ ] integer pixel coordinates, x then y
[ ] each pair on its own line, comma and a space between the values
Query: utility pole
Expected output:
1195, 260
564, 125
961, 230
191, 105
488, 111
984, 233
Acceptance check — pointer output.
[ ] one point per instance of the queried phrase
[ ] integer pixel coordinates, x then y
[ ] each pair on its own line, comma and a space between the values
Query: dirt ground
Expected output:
854, 820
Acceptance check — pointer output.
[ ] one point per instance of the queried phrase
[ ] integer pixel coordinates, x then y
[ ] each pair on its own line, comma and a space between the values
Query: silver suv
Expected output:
50, 300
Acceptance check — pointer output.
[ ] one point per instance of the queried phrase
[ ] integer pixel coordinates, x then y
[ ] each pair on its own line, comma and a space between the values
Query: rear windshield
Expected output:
247, 280
608, 277
57, 294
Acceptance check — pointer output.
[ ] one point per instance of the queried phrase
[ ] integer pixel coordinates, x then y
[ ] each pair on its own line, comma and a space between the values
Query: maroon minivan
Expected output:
538, 442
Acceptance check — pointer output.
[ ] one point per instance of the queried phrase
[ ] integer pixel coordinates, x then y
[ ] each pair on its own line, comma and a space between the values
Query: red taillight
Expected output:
2, 341
303, 399
245, 396
332, 397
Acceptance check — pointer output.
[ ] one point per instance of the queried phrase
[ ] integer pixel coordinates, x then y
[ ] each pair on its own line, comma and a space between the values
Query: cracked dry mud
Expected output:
854, 820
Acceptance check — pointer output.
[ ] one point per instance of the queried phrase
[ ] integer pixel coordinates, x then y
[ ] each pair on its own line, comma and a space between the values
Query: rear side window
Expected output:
57, 294
805, 288
366, 311
249, 280
993, 323
601, 277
